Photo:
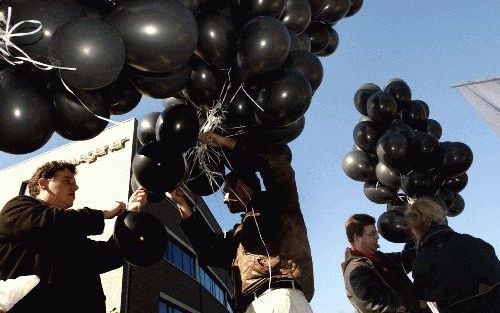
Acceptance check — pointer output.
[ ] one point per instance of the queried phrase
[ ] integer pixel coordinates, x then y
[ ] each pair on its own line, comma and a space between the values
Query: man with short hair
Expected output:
376, 282
40, 236
268, 252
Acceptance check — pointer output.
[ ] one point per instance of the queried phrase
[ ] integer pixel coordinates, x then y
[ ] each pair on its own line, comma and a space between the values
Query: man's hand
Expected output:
137, 200
115, 210
179, 198
217, 141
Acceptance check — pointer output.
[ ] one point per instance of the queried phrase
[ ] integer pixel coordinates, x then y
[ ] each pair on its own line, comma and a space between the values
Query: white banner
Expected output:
485, 98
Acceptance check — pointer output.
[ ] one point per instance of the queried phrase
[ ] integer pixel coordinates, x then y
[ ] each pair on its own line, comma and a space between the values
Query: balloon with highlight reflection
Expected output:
26, 114
140, 238
91, 46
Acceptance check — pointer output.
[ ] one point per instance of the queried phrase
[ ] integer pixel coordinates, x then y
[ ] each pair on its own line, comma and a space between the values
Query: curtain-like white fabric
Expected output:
485, 98
13, 290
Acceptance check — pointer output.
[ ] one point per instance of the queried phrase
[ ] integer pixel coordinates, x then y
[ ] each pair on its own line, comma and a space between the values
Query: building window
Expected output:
166, 307
211, 286
180, 258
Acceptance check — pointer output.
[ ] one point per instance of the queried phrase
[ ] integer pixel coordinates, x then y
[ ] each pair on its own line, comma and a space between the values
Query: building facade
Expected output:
174, 284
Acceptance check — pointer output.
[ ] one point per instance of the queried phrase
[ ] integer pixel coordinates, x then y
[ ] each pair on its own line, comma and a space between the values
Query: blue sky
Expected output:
429, 44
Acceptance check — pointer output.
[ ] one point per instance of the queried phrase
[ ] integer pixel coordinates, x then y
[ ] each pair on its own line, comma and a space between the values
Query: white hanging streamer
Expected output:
81, 102
8, 33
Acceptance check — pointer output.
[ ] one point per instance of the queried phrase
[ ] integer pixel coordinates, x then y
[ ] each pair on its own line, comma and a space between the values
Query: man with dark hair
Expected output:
268, 252
376, 282
40, 236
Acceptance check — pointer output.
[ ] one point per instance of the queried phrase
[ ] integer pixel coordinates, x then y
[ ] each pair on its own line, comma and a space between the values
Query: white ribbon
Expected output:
8, 33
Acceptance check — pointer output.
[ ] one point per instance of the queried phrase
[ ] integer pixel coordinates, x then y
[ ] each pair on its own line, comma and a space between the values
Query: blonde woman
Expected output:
459, 272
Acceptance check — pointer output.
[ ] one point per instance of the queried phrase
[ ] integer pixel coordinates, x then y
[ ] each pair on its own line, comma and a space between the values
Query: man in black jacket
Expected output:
268, 252
376, 282
39, 236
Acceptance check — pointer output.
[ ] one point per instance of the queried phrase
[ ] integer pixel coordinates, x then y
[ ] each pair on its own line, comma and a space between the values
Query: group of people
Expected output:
452, 272
268, 252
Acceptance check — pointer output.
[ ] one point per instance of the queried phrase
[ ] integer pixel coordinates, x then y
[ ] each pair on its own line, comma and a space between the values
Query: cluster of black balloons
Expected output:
121, 50
398, 156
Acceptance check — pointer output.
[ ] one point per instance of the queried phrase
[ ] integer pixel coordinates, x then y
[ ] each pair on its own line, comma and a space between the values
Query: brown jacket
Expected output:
281, 225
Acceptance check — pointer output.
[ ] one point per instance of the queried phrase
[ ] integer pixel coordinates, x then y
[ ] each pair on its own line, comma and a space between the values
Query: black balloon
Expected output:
178, 127
308, 64
26, 115
457, 158
158, 167
415, 115
378, 193
398, 126
146, 129
304, 42
319, 35
282, 135
366, 135
152, 196
140, 238
418, 184
400, 91
424, 151
77, 121
456, 207
191, 5
400, 203
285, 100
121, 96
253, 8
381, 108
333, 42
434, 128
217, 39
457, 183
359, 166
393, 150
316, 6
355, 7
160, 85
159, 35
297, 15
388, 176
446, 195
393, 226
91, 46
361, 97
332, 11
173, 100
205, 83
241, 111
51, 13
426, 107
263, 48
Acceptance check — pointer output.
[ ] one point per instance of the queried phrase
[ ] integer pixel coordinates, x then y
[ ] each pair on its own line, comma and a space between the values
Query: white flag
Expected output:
13, 290
485, 98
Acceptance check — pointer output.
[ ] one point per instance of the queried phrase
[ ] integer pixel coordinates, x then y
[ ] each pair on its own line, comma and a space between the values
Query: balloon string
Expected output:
254, 102
81, 102
8, 33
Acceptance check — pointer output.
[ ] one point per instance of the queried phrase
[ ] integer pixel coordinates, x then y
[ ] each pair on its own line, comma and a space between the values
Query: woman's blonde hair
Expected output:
423, 214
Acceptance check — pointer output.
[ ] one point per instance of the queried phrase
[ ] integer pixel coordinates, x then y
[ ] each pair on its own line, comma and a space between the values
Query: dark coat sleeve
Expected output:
372, 292
406, 257
25, 218
101, 256
213, 249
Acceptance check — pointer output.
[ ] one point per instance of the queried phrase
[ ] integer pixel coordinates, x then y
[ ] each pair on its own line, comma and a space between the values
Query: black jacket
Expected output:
450, 267
281, 225
52, 243
380, 287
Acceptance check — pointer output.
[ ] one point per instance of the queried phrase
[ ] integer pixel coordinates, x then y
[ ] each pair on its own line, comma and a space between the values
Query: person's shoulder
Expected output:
21, 200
